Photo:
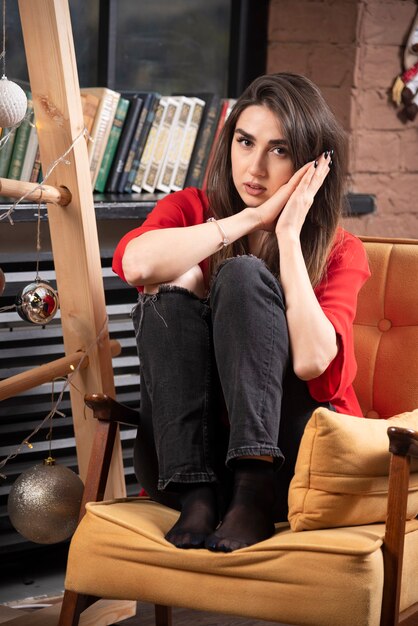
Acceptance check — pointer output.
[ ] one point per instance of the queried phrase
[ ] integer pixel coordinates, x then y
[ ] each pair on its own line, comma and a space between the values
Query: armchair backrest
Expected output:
386, 329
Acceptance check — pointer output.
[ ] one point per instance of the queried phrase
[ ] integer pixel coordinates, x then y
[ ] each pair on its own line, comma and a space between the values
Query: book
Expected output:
89, 105
180, 123
146, 119
112, 143
204, 140
149, 145
108, 102
36, 170
226, 106
21, 141
30, 154
123, 178
161, 144
186, 149
125, 141
6, 150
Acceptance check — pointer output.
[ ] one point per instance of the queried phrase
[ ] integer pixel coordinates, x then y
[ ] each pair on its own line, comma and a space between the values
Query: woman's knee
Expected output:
244, 273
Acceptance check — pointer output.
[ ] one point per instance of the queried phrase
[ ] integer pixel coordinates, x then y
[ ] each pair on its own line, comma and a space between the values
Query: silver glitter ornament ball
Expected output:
37, 302
13, 103
44, 503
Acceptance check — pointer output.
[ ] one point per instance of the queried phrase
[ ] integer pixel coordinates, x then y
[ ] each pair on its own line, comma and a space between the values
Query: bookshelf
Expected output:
137, 206
102, 25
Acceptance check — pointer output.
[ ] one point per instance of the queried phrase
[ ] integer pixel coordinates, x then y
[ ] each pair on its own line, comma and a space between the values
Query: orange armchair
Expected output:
350, 565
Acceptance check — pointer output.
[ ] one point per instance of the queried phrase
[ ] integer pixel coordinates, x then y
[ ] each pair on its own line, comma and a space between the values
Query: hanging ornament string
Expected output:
49, 435
38, 240
62, 159
10, 307
3, 52
54, 410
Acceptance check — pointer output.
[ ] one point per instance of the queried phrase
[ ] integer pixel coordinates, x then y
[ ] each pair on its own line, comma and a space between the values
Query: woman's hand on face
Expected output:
270, 210
294, 213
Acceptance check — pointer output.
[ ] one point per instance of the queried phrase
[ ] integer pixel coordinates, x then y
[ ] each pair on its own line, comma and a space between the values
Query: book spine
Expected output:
124, 144
101, 135
221, 122
6, 151
123, 180
204, 140
90, 104
34, 177
161, 145
30, 154
188, 145
149, 119
112, 142
176, 140
149, 146
21, 142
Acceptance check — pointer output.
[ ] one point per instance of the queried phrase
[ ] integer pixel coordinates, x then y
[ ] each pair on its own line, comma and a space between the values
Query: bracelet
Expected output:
225, 239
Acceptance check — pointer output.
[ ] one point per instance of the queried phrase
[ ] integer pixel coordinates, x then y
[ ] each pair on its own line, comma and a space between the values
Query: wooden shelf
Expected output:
137, 206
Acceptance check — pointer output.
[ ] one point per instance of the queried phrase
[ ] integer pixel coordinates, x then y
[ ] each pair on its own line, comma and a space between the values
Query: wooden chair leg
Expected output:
163, 615
73, 605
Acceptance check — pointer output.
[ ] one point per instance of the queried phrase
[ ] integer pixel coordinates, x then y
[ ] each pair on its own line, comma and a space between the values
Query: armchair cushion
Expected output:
119, 551
341, 475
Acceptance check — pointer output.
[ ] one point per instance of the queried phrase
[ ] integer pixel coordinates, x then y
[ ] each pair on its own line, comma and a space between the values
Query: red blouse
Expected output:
347, 271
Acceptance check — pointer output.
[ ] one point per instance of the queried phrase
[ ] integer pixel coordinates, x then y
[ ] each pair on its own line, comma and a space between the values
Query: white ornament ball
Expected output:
13, 103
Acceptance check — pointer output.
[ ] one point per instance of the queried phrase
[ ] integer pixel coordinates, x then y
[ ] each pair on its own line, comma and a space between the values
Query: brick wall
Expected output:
353, 50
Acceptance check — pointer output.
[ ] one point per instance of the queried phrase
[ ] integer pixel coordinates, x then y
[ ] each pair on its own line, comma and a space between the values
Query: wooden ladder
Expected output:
53, 76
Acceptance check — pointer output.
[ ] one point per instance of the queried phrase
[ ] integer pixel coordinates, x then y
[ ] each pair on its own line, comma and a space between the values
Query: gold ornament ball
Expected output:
44, 503
37, 302
2, 282
13, 103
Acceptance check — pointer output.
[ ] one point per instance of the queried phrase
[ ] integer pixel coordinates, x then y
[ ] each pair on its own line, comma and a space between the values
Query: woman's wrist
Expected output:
255, 219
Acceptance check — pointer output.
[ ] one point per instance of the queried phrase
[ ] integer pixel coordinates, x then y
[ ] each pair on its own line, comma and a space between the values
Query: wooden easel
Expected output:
55, 90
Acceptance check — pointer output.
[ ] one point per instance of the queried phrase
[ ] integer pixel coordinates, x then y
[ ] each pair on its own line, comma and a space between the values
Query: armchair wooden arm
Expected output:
106, 408
109, 413
403, 443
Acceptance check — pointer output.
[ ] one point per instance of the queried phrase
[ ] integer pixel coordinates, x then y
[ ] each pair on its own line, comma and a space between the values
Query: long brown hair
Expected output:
310, 128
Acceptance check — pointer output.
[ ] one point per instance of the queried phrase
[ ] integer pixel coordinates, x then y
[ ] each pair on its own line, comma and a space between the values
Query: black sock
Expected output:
198, 517
249, 518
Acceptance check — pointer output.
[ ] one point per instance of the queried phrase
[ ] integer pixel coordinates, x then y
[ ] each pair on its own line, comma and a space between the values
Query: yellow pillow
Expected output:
341, 474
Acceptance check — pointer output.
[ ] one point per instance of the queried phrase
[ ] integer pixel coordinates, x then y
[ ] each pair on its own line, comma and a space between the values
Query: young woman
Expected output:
244, 321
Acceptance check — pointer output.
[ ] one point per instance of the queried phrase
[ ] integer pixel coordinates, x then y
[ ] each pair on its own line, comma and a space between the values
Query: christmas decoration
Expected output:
13, 100
44, 502
2, 282
13, 103
37, 302
405, 87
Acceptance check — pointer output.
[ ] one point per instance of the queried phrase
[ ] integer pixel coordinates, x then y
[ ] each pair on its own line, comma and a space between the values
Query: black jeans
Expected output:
217, 383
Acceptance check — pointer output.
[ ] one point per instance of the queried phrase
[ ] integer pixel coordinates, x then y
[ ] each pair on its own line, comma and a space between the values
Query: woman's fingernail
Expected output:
326, 154
315, 164
331, 152
330, 163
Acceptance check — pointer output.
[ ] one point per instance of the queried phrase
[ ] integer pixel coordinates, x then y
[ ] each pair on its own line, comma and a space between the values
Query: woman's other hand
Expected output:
294, 213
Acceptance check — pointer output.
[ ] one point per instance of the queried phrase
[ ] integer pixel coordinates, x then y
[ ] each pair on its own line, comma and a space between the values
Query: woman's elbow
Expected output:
310, 369
133, 272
